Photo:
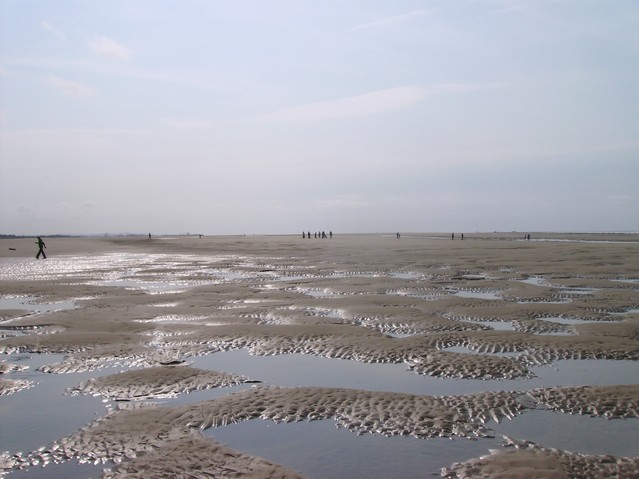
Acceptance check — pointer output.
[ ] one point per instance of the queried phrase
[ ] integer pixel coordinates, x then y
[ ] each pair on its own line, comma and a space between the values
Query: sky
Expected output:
282, 116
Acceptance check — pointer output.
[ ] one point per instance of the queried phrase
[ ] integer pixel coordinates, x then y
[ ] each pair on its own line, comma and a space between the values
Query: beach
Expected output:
492, 356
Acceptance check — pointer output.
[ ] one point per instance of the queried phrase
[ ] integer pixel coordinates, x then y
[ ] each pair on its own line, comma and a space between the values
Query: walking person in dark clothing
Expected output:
41, 249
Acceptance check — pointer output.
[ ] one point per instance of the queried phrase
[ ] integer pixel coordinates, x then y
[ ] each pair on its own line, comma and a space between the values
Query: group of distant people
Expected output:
317, 234
452, 236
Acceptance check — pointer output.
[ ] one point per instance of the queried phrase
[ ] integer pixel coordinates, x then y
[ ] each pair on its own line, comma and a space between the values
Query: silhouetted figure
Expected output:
452, 236
330, 234
149, 236
309, 235
528, 236
41, 248
323, 234
462, 236
398, 236
303, 235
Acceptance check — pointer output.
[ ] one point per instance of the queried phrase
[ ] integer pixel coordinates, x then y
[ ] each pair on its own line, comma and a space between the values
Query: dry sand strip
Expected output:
141, 434
610, 401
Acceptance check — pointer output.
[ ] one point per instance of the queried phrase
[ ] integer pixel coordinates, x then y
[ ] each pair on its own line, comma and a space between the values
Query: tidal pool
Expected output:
301, 370
45, 412
339, 453
496, 325
376, 456
33, 304
491, 295
573, 432
569, 321
38, 416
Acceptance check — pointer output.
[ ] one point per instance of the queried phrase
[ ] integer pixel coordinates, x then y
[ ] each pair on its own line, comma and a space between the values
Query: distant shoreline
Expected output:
434, 234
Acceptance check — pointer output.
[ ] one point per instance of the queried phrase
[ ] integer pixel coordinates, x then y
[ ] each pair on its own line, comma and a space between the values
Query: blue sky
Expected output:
258, 116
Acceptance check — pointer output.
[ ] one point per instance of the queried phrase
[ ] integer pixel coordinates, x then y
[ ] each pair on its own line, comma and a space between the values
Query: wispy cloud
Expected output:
359, 105
530, 8
394, 19
53, 30
109, 48
70, 87
190, 124
368, 103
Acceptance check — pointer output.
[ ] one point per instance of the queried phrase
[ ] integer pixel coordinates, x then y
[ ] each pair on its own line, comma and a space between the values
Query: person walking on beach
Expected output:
41, 248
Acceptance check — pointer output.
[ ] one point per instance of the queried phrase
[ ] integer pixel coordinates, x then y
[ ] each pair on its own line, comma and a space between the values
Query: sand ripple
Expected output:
523, 460
157, 382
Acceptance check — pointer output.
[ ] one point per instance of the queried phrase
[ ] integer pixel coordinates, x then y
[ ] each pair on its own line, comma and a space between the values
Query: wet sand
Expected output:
151, 306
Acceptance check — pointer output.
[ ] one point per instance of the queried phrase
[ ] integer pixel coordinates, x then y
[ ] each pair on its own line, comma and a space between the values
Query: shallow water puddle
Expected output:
405, 275
120, 270
302, 370
573, 432
43, 413
570, 321
371, 455
150, 287
478, 294
496, 325
33, 304
535, 280
172, 318
317, 293
628, 311
106, 266
426, 296
400, 335
555, 333
339, 453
